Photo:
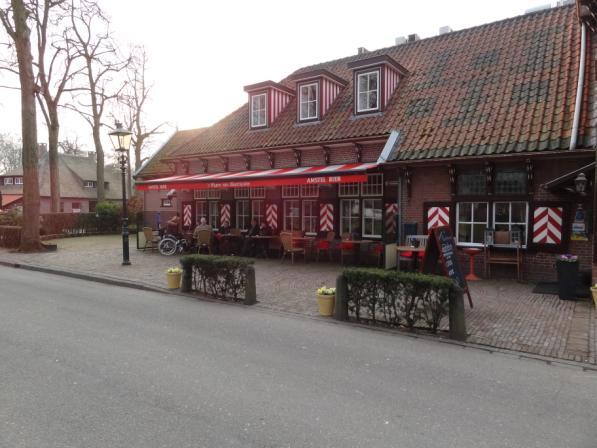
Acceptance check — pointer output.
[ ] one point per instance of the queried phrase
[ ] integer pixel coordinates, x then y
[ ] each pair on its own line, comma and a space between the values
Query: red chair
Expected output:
346, 247
325, 245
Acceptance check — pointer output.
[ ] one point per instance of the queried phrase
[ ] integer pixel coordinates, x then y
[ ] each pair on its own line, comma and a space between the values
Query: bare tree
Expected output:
134, 100
14, 18
55, 57
10, 153
99, 83
70, 146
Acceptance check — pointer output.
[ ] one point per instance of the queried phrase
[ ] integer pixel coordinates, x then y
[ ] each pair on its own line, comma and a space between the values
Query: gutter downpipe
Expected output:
579, 87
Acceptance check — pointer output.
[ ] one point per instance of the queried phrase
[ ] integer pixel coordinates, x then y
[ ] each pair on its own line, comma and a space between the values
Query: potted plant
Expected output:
594, 294
326, 297
567, 268
173, 276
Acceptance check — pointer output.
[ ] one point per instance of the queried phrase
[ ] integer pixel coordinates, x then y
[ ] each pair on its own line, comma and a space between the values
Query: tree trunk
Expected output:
30, 240
99, 154
53, 134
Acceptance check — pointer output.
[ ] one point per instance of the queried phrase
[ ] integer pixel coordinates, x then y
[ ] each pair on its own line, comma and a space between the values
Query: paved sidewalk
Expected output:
506, 314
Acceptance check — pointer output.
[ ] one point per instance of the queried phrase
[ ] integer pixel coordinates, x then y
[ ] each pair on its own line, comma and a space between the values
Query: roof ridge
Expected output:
430, 38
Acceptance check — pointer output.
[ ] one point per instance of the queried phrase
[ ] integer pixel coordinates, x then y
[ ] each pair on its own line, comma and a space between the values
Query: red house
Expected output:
490, 127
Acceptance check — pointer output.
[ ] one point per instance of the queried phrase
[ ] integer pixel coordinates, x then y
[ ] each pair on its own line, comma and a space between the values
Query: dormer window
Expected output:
18, 181
8, 181
89, 184
309, 101
368, 91
375, 81
266, 101
259, 110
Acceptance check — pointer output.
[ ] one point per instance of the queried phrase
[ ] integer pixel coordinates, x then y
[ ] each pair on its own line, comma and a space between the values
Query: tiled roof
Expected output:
74, 170
503, 87
154, 165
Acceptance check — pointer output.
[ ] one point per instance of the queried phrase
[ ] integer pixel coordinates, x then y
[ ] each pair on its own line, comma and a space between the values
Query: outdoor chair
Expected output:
325, 245
375, 253
288, 248
151, 240
204, 240
503, 247
415, 241
346, 247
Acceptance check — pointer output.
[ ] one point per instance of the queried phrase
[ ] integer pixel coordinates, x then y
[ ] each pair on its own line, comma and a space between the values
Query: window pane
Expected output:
372, 81
478, 233
502, 227
464, 233
519, 212
362, 100
373, 100
480, 212
363, 83
464, 212
502, 211
471, 183
510, 182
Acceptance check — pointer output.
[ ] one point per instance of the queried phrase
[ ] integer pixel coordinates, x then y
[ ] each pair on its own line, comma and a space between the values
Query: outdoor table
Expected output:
471, 252
308, 240
263, 249
415, 250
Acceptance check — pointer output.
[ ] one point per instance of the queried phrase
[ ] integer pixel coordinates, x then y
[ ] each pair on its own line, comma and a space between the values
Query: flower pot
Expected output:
173, 280
326, 304
567, 279
594, 294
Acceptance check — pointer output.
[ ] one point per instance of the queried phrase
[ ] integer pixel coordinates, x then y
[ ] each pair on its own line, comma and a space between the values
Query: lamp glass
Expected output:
121, 139
580, 183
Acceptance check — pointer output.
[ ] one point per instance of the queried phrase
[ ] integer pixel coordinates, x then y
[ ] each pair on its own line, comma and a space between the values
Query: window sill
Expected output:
359, 115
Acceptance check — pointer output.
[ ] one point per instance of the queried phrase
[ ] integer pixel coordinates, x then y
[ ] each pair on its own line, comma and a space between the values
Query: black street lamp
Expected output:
121, 140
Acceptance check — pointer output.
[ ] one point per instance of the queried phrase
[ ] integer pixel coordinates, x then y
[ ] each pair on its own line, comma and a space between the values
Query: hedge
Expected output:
397, 298
10, 236
222, 277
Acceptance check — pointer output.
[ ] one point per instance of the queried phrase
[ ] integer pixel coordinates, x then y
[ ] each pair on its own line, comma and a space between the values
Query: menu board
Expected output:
441, 252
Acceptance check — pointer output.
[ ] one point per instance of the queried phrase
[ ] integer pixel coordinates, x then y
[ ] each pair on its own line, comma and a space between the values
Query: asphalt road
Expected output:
89, 365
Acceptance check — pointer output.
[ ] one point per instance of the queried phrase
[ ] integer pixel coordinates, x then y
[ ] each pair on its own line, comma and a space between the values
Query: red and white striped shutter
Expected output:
391, 212
326, 217
438, 217
187, 214
271, 216
547, 225
225, 213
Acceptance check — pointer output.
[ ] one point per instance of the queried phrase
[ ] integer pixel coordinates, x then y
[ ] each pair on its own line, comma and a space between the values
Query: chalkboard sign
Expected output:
441, 251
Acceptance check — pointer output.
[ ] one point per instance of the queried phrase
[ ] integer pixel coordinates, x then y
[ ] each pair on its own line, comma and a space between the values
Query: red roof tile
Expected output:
507, 86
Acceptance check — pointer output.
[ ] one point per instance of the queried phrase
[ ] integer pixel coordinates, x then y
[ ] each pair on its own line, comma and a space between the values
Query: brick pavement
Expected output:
506, 314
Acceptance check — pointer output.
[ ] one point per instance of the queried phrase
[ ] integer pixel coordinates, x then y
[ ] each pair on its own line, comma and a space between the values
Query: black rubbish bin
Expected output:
567, 277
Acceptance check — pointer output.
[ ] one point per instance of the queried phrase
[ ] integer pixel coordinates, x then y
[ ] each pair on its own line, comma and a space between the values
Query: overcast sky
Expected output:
202, 53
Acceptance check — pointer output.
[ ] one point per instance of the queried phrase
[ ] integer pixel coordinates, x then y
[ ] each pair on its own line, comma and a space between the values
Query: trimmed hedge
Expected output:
10, 236
397, 298
218, 276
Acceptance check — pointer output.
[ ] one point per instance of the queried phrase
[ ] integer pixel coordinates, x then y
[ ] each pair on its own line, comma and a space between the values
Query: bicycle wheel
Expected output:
167, 246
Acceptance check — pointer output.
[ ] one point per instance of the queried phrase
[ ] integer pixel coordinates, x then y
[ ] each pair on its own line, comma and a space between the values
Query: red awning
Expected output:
315, 175
8, 199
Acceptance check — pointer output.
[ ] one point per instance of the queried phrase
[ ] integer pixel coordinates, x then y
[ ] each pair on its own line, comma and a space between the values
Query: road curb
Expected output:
144, 287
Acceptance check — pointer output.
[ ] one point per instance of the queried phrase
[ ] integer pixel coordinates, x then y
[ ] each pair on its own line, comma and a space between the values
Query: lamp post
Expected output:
121, 140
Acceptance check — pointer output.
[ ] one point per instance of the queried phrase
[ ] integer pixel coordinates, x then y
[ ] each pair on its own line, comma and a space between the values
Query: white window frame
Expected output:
308, 101
242, 193
258, 205
201, 211
257, 193
286, 216
259, 123
309, 220
310, 191
349, 189
291, 191
246, 206
213, 209
75, 209
8, 181
165, 203
373, 186
368, 74
89, 184
351, 217
18, 181
207, 194
471, 223
511, 223
364, 207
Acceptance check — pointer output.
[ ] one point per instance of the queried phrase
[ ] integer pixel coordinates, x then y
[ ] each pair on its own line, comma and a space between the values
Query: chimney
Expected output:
400, 40
362, 50
537, 8
413, 37
445, 30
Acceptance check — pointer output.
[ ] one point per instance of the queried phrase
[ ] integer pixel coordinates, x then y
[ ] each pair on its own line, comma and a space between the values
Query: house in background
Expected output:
486, 128
78, 181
